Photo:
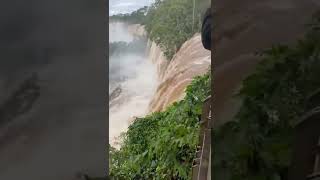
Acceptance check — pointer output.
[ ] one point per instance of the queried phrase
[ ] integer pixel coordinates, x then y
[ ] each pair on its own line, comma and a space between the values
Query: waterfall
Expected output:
152, 82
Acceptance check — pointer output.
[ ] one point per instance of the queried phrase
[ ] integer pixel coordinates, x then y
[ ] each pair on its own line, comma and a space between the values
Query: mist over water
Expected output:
118, 32
132, 81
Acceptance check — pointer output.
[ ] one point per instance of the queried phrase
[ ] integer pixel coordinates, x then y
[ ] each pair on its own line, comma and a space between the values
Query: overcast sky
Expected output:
126, 6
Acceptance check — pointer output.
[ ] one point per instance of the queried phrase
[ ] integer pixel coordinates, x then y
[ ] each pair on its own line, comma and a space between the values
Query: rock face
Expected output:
242, 28
175, 74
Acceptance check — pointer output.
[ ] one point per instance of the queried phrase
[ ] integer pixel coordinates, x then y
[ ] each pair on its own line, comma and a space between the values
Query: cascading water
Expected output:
142, 80
132, 79
174, 75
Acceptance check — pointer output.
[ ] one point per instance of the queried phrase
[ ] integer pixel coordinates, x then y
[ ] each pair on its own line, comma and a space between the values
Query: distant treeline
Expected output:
136, 17
136, 46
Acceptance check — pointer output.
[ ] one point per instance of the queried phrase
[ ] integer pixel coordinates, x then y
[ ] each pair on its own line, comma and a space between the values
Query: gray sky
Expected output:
126, 6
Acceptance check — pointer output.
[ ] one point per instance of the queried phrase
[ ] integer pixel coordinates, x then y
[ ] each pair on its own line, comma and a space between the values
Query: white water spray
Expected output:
134, 76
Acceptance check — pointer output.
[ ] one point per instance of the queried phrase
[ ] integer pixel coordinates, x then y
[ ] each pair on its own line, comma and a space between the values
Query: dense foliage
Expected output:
169, 23
162, 145
257, 146
136, 17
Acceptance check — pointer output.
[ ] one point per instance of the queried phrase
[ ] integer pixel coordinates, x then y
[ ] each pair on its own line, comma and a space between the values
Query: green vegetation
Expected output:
136, 17
162, 145
169, 23
257, 146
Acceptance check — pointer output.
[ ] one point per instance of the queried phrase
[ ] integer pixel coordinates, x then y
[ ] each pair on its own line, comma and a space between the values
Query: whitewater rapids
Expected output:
134, 79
